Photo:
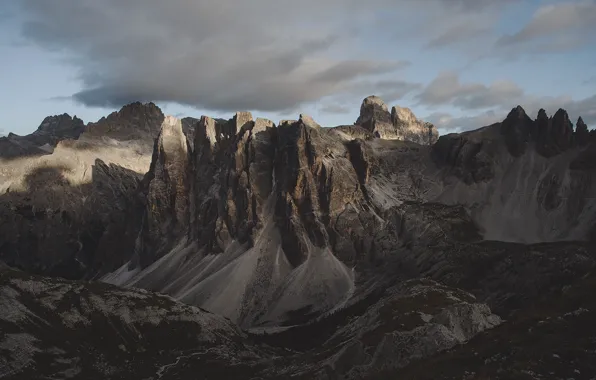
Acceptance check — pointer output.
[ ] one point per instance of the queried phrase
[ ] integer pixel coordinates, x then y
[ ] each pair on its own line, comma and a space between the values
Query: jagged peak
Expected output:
241, 119
562, 115
517, 113
171, 136
135, 108
206, 128
309, 121
261, 125
542, 114
580, 120
403, 114
57, 118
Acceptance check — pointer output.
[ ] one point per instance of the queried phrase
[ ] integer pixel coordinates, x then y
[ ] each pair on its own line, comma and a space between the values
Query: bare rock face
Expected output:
412, 129
135, 121
167, 214
400, 124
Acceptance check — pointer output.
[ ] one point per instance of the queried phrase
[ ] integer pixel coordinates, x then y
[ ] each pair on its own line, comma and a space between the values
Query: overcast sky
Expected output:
459, 63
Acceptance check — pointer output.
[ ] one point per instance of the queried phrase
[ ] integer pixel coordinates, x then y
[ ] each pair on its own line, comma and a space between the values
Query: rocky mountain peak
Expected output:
516, 129
554, 135
308, 121
403, 115
582, 134
542, 115
399, 124
517, 113
61, 125
374, 114
133, 121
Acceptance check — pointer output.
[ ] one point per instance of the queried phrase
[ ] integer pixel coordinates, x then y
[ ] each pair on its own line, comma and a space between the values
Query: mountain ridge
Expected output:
386, 251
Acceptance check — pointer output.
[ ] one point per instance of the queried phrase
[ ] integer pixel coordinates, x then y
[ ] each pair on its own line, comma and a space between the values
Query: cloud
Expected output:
446, 89
335, 109
227, 55
555, 28
447, 123
459, 33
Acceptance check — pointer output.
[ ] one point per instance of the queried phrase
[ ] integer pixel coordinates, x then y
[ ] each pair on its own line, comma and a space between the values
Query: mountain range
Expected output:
144, 246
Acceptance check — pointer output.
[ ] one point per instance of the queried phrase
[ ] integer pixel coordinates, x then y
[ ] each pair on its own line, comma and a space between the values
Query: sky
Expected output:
461, 64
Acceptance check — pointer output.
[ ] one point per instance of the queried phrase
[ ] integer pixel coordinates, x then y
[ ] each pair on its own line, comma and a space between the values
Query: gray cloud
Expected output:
447, 89
447, 123
335, 109
555, 28
225, 55
459, 33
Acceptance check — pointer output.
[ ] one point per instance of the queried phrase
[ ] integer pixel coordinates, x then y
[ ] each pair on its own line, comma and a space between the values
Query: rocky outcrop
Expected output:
400, 124
412, 129
93, 331
516, 129
42, 141
55, 128
135, 121
555, 136
167, 214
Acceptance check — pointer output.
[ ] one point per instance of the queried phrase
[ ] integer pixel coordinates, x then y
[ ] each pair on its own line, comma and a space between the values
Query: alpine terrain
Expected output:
143, 246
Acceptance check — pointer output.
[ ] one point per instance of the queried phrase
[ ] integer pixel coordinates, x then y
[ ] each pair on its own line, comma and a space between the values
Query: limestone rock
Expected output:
409, 128
400, 124
168, 188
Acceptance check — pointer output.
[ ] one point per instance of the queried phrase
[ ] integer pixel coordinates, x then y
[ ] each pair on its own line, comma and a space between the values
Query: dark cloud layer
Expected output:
276, 55
225, 55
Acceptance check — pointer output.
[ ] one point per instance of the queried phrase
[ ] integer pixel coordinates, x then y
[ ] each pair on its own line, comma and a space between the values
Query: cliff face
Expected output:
276, 214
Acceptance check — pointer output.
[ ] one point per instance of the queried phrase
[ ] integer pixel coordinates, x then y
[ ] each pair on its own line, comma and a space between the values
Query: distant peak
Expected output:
542, 114
137, 107
517, 112
561, 114
374, 100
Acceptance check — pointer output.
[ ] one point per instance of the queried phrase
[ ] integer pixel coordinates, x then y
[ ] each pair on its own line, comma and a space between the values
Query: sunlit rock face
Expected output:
399, 124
